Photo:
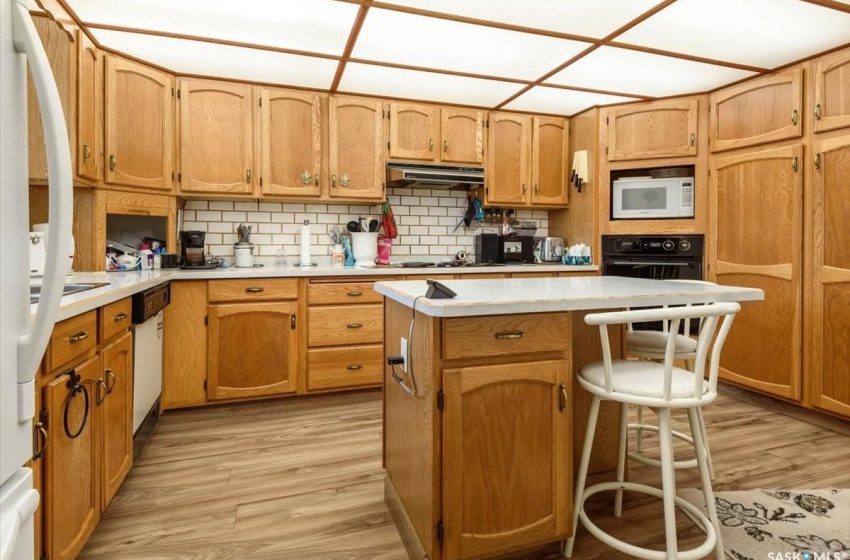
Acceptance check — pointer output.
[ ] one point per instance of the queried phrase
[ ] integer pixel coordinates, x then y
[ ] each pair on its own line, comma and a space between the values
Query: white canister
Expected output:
365, 247
244, 255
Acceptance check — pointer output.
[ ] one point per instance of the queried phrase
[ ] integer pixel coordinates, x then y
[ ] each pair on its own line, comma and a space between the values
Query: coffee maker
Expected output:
192, 249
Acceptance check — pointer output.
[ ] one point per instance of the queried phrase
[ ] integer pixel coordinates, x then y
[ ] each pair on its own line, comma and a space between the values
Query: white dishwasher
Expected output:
147, 361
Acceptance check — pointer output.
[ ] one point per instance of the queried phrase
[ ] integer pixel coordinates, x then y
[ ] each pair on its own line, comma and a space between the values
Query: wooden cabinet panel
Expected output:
757, 111
329, 368
653, 130
345, 325
508, 156
217, 137
116, 414
831, 75
462, 135
291, 142
253, 349
756, 228
321, 293
507, 483
830, 311
473, 337
356, 153
71, 464
184, 373
138, 119
71, 339
115, 317
412, 133
549, 169
89, 108
253, 289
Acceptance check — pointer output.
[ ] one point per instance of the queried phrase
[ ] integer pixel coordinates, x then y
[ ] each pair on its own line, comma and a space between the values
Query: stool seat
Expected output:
640, 378
654, 342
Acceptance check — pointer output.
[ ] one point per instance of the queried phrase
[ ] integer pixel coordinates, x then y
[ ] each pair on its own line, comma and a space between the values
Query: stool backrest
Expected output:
709, 316
666, 324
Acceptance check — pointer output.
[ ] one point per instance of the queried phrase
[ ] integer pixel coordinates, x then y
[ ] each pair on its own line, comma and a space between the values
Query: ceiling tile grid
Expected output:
557, 101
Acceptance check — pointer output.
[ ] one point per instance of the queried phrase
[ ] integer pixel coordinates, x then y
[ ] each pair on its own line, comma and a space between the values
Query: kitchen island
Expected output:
479, 438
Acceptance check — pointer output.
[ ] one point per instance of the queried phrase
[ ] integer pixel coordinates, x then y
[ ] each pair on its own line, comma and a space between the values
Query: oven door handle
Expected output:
634, 264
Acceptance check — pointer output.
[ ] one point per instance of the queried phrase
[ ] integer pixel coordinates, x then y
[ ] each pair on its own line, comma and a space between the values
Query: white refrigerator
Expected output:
24, 337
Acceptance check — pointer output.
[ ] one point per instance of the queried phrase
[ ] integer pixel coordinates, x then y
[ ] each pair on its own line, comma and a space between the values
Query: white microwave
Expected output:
645, 197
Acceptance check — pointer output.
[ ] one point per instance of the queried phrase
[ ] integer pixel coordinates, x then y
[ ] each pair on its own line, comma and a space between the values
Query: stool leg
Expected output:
639, 431
668, 482
621, 457
704, 436
702, 463
581, 480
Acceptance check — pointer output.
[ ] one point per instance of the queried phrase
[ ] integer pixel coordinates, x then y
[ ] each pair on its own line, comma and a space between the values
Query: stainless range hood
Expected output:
415, 175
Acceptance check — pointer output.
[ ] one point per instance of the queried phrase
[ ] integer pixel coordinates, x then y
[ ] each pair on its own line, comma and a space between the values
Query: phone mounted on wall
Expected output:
437, 290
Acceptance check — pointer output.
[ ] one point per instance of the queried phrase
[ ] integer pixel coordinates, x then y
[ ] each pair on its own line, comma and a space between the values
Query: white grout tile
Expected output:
196, 205
234, 216
207, 216
220, 205
246, 206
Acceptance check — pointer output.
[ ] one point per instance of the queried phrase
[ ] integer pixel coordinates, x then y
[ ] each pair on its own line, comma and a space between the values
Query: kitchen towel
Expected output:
305, 244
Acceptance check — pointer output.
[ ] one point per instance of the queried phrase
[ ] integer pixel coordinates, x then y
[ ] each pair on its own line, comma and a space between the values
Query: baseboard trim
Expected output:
402, 523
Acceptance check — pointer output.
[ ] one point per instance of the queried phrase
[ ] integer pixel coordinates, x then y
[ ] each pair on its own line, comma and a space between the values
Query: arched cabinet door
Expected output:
356, 154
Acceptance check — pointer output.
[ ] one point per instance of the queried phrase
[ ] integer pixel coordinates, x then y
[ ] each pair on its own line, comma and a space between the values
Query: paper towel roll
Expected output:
305, 244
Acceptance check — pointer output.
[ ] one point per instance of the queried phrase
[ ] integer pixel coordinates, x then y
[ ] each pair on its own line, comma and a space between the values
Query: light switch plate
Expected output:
403, 353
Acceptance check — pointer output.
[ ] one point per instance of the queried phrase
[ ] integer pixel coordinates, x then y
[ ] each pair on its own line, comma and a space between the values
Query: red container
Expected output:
385, 247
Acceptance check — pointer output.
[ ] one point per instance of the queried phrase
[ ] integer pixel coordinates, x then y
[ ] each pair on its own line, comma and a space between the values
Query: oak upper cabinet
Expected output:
658, 129
117, 415
831, 302
831, 75
462, 135
216, 137
508, 154
89, 108
757, 111
357, 160
71, 461
413, 131
139, 125
756, 228
291, 142
549, 168
507, 478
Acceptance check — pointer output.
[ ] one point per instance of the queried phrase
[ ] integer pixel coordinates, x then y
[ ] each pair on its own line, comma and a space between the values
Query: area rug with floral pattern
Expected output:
781, 524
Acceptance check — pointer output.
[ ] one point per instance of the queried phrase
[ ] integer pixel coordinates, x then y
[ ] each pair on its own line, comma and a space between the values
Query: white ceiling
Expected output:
474, 52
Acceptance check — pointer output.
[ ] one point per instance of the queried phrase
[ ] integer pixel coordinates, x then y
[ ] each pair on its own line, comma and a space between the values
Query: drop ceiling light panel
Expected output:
427, 86
311, 25
589, 18
541, 99
413, 40
764, 33
640, 73
193, 57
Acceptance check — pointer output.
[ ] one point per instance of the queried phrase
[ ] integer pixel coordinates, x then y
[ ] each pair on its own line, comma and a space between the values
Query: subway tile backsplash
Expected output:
425, 218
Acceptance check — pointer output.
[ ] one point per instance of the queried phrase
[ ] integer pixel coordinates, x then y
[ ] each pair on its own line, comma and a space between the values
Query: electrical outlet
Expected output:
403, 353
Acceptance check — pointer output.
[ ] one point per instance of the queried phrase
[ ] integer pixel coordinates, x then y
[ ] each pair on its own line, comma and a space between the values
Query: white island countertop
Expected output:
542, 295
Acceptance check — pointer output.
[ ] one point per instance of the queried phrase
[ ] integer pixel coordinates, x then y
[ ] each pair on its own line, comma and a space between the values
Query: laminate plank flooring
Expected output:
301, 479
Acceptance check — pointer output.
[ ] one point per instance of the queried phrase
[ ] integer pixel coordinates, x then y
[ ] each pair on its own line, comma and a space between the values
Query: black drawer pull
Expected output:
510, 334
253, 290
354, 366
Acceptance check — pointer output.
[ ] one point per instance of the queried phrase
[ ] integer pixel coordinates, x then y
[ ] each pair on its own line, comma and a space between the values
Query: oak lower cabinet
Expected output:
252, 338
830, 312
756, 226
117, 415
831, 75
656, 129
356, 154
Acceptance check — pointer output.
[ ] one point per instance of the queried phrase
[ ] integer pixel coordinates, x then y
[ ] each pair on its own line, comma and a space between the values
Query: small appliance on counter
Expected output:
552, 249
495, 248
192, 250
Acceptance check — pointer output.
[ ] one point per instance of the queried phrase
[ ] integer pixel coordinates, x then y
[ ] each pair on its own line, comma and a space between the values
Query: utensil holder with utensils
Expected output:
365, 247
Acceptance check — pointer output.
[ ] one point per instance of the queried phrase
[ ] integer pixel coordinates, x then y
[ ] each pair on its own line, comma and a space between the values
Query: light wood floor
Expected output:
299, 479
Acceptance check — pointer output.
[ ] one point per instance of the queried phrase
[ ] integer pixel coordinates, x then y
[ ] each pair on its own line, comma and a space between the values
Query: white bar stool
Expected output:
651, 345
663, 387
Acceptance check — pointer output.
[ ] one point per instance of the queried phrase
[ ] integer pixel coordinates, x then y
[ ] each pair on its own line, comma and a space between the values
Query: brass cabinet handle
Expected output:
509, 334
86, 152
536, 189
253, 290
562, 397
353, 325
430, 144
817, 161
292, 322
354, 366
247, 175
39, 430
817, 111
306, 178
82, 335
333, 181
109, 375
795, 163
112, 163
354, 293
445, 145
119, 317
794, 116
523, 188
693, 138
316, 178
98, 399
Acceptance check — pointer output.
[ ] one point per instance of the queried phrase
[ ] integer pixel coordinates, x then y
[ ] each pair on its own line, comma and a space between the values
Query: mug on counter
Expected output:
172, 260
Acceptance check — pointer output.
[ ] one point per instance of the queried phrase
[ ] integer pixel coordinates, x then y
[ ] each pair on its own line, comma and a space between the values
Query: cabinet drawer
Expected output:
115, 317
472, 337
344, 367
261, 289
345, 325
342, 293
72, 338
